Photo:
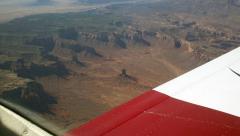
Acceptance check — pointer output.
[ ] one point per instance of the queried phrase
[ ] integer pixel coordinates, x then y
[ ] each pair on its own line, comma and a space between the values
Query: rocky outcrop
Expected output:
33, 70
177, 43
120, 39
119, 42
124, 76
32, 96
46, 43
103, 36
75, 60
192, 37
226, 45
84, 51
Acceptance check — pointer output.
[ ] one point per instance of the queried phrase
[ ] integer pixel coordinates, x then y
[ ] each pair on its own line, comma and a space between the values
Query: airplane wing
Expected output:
202, 102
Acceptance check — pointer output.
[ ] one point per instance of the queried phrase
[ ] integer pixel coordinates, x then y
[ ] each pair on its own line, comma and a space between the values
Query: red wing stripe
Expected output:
155, 114
119, 115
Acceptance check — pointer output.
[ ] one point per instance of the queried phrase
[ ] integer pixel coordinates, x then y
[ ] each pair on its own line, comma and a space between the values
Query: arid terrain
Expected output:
72, 67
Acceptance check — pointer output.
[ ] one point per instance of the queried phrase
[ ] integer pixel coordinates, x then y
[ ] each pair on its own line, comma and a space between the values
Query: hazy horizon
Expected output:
10, 9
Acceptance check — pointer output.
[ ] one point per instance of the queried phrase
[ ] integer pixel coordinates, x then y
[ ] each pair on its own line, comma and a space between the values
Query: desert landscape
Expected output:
70, 67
